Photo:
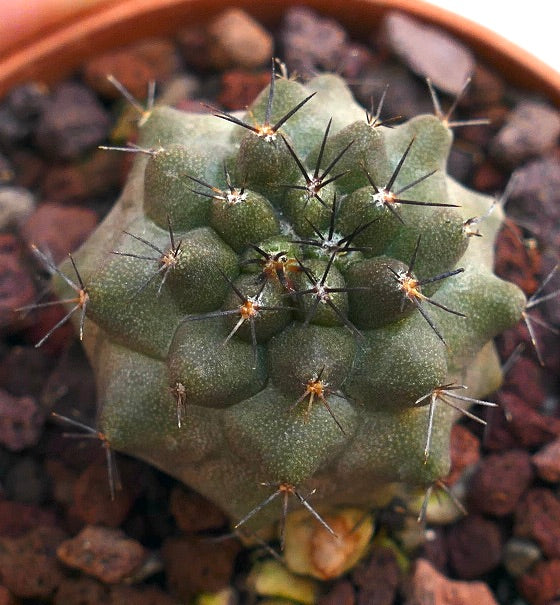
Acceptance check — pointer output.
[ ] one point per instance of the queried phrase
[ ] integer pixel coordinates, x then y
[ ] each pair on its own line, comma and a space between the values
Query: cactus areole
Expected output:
292, 300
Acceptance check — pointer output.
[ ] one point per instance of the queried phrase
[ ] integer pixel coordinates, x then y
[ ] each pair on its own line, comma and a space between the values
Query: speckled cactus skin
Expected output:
373, 350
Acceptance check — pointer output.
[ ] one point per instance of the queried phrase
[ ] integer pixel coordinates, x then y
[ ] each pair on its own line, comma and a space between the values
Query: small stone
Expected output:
311, 42
541, 585
134, 67
16, 204
12, 130
474, 546
429, 52
193, 513
486, 88
58, 229
197, 565
92, 501
547, 462
526, 377
532, 129
520, 555
429, 587
499, 482
377, 577
28, 566
16, 287
73, 122
239, 88
21, 421
488, 178
27, 101
24, 371
342, 593
104, 553
465, 452
237, 40
537, 517
6, 170
5, 597
80, 591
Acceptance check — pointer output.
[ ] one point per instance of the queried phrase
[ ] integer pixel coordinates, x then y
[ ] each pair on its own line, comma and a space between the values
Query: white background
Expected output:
532, 25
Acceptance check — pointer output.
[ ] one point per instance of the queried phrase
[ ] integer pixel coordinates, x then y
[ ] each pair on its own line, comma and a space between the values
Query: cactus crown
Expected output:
281, 300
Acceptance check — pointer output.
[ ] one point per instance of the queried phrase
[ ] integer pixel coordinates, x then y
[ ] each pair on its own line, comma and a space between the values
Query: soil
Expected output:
62, 539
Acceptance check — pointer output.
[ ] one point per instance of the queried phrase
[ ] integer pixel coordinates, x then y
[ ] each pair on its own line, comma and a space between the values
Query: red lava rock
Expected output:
429, 52
193, 513
526, 377
541, 585
429, 587
59, 229
25, 481
21, 421
194, 45
92, 501
44, 320
28, 566
537, 517
434, 549
134, 67
342, 593
474, 546
311, 42
377, 577
150, 595
528, 427
80, 591
488, 178
198, 565
513, 261
532, 128
72, 123
5, 597
17, 519
106, 554
237, 40
465, 452
547, 462
97, 175
239, 88
24, 371
499, 482
486, 87
16, 287
6, 170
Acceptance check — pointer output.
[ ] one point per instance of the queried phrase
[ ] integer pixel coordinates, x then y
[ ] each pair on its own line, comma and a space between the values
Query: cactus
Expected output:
291, 301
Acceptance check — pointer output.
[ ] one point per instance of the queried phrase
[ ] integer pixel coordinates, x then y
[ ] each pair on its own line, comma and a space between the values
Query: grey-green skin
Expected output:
241, 429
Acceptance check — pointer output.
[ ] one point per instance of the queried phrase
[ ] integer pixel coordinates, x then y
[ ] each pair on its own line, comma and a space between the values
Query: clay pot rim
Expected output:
51, 55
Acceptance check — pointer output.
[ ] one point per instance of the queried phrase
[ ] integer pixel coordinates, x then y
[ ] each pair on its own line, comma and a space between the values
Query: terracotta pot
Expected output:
58, 44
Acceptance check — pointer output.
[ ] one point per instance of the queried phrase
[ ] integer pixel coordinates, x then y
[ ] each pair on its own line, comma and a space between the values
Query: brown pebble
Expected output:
474, 546
240, 88
21, 421
429, 52
487, 87
80, 591
5, 597
237, 40
28, 566
429, 587
16, 287
342, 593
107, 554
547, 462
92, 501
465, 452
537, 517
73, 122
198, 565
193, 513
59, 229
532, 128
377, 577
499, 482
488, 178
542, 584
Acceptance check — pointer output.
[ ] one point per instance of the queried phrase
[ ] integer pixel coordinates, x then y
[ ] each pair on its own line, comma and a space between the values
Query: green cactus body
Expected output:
260, 324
